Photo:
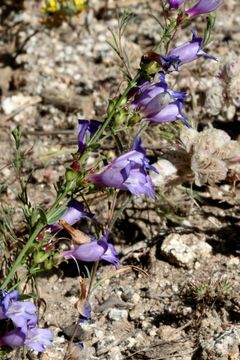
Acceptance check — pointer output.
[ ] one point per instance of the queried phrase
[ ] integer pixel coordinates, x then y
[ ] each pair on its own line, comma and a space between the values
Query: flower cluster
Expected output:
156, 102
24, 330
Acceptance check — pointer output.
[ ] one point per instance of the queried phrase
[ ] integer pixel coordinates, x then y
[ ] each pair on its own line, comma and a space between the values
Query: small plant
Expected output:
146, 99
209, 293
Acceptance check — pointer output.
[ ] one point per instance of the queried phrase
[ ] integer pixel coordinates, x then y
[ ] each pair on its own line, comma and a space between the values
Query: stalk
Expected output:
106, 122
21, 255
40, 225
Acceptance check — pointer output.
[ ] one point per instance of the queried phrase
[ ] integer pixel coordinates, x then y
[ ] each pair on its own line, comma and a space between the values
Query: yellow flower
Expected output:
80, 4
50, 6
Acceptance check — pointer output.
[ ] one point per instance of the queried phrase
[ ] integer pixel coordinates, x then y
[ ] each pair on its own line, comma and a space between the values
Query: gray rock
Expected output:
225, 346
117, 314
185, 250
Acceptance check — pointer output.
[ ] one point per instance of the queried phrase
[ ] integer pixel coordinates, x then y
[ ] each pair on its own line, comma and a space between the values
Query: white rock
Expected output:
117, 314
227, 344
12, 103
115, 353
184, 250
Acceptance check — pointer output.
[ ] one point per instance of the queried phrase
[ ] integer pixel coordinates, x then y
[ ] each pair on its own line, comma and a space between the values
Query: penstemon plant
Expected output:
147, 98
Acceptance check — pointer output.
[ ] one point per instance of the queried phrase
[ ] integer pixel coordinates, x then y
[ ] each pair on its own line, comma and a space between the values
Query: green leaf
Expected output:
43, 216
53, 218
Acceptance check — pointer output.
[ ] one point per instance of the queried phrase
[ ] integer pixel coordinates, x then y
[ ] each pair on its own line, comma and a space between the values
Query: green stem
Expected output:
31, 239
20, 257
106, 122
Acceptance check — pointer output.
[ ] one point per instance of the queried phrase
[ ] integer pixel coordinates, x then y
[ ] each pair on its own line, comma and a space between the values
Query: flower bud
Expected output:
151, 67
122, 101
119, 118
134, 119
70, 175
111, 105
48, 264
40, 256
75, 166
175, 4
203, 7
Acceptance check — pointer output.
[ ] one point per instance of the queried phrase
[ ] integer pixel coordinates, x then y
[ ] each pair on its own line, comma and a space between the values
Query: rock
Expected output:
168, 333
102, 344
6, 74
69, 330
224, 347
137, 313
115, 353
117, 314
15, 102
185, 250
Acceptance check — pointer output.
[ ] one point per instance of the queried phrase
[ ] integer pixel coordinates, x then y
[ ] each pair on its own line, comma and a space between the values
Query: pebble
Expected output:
115, 353
137, 313
225, 346
12, 103
185, 250
117, 314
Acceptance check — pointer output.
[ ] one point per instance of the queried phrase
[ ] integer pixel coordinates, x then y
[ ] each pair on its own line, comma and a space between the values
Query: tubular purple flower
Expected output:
38, 339
85, 313
23, 316
169, 113
94, 251
127, 172
6, 300
20, 312
150, 91
72, 215
175, 4
184, 54
203, 7
34, 338
158, 103
86, 128
13, 338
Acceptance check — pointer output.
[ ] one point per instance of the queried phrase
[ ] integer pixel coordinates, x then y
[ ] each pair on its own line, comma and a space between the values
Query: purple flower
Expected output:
158, 103
94, 251
72, 215
169, 113
23, 316
203, 7
13, 338
86, 129
174, 4
38, 339
20, 312
34, 338
85, 312
152, 95
127, 172
184, 54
